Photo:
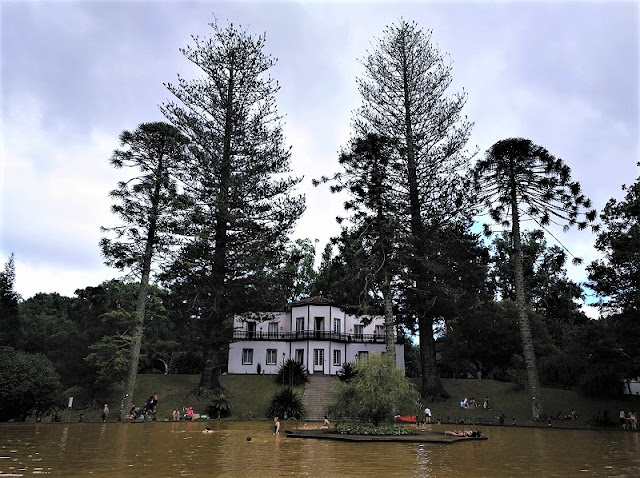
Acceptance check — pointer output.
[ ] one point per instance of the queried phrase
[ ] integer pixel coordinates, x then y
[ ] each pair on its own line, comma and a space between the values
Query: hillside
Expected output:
252, 393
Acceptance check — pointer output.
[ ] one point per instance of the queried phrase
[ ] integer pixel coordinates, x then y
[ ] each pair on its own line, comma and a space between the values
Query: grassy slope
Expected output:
248, 393
504, 399
252, 393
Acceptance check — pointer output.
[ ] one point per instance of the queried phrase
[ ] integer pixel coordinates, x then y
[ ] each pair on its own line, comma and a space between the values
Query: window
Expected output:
299, 324
300, 355
319, 323
336, 325
379, 331
251, 329
247, 356
357, 331
337, 357
363, 355
272, 357
273, 330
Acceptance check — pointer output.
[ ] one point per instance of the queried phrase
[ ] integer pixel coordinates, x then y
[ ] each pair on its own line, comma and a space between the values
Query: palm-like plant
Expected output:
519, 178
286, 403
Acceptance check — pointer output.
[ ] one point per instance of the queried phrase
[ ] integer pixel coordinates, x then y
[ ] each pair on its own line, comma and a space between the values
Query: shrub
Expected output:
286, 403
186, 362
601, 383
29, 385
292, 373
394, 430
219, 405
560, 370
347, 372
376, 393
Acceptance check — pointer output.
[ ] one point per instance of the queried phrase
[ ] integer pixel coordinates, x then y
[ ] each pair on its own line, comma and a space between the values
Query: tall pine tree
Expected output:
404, 97
243, 201
148, 205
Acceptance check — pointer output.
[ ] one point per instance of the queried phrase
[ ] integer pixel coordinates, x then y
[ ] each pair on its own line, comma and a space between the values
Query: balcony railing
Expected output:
307, 335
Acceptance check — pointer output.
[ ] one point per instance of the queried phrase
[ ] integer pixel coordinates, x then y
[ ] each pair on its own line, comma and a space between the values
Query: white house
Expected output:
313, 332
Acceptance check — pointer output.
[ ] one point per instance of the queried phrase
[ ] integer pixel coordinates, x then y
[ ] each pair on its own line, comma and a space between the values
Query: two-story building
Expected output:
313, 332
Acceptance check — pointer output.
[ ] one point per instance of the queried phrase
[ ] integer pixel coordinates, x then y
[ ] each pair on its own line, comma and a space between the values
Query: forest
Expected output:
433, 238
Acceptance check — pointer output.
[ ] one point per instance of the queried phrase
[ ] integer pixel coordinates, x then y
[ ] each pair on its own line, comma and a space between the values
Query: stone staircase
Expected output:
318, 393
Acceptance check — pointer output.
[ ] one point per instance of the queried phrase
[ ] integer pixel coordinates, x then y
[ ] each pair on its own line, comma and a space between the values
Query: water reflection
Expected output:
181, 449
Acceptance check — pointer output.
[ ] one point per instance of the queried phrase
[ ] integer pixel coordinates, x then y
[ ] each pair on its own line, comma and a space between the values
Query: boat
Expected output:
416, 436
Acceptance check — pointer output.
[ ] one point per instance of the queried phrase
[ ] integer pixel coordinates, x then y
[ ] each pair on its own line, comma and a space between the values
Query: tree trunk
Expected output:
523, 320
432, 388
141, 303
210, 368
210, 377
390, 338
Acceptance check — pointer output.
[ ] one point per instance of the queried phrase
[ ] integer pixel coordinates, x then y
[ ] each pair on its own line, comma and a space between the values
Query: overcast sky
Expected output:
75, 74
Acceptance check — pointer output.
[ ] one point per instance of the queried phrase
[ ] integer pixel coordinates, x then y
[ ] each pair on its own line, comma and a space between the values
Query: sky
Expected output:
74, 75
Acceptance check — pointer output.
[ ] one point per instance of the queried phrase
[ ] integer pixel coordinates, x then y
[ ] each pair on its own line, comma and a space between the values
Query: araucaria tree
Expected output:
517, 179
404, 98
243, 202
372, 230
148, 206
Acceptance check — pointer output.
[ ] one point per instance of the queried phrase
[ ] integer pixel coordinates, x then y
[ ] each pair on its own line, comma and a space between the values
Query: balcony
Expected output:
307, 335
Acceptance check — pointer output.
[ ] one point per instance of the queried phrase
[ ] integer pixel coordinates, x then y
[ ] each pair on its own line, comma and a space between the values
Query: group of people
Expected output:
149, 410
629, 421
471, 403
187, 414
463, 433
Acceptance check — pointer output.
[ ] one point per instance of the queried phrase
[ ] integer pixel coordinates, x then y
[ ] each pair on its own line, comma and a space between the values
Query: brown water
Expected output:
181, 449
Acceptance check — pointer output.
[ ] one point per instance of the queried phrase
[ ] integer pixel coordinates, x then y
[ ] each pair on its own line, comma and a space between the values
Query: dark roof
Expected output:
315, 300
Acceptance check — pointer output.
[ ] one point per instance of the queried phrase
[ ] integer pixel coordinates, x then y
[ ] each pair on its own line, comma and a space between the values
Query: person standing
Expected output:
153, 404
427, 415
276, 426
105, 412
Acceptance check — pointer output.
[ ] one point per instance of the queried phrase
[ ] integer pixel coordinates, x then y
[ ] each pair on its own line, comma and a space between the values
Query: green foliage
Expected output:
616, 278
242, 199
28, 385
412, 359
148, 204
186, 362
347, 372
9, 311
483, 337
295, 275
540, 183
393, 430
286, 403
547, 288
110, 358
292, 373
376, 393
519, 178
561, 369
219, 404
601, 382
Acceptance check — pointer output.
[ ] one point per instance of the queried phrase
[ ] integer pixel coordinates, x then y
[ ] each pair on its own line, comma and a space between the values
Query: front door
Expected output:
318, 360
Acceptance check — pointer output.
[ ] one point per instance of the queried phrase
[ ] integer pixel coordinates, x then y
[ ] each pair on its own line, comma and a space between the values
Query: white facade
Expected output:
314, 332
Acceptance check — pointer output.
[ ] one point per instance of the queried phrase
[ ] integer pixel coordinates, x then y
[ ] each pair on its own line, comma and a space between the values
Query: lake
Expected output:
176, 449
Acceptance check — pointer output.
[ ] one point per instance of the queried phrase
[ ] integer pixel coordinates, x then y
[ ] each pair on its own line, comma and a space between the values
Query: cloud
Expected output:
75, 74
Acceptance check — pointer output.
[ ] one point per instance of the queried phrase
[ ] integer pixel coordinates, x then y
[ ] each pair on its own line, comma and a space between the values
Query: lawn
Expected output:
248, 394
251, 394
